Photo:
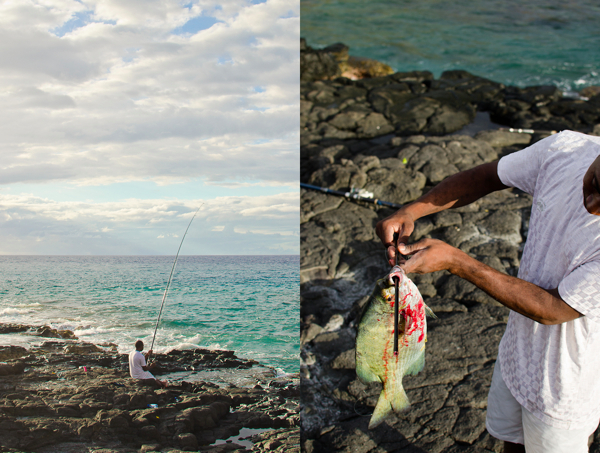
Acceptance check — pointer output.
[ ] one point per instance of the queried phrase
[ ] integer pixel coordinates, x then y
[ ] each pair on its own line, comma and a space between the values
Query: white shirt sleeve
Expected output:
521, 169
581, 290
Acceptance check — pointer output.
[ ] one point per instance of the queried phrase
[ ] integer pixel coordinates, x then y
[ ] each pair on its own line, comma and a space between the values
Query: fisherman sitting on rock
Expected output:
545, 391
138, 368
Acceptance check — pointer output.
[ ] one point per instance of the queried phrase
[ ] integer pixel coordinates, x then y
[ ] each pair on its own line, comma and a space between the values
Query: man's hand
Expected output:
401, 224
427, 255
455, 191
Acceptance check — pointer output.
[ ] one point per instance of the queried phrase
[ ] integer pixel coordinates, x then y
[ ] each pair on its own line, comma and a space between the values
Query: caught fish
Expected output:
375, 358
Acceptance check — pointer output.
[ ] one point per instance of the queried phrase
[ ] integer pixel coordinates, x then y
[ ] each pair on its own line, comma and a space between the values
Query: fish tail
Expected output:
395, 399
399, 400
429, 312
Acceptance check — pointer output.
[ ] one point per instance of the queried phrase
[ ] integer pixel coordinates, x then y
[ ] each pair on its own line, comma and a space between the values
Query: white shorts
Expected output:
507, 420
143, 375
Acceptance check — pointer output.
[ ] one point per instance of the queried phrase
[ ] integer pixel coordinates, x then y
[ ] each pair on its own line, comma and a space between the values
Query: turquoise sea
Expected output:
249, 304
513, 42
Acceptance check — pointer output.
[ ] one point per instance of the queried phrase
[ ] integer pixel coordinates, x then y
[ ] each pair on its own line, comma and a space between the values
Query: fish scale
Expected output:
375, 358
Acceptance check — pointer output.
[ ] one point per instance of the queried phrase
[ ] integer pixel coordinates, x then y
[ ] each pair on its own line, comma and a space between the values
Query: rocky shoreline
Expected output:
69, 396
396, 136
411, 103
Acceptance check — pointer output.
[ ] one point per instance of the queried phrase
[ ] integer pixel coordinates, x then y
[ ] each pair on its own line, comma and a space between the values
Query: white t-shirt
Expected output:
554, 371
136, 362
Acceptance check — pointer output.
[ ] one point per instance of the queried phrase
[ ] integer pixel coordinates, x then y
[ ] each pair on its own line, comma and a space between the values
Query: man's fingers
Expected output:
411, 249
387, 235
391, 255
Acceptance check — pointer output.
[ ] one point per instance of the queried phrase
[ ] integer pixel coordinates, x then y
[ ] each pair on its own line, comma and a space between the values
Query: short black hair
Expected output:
139, 345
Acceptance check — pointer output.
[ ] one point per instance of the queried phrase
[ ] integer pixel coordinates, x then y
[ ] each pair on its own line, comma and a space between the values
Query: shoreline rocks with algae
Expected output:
414, 148
69, 396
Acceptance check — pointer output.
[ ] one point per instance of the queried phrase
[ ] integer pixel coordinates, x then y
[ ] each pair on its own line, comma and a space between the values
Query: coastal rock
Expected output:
54, 404
334, 60
361, 68
13, 328
503, 139
81, 348
317, 65
341, 258
49, 332
411, 103
12, 352
11, 368
590, 91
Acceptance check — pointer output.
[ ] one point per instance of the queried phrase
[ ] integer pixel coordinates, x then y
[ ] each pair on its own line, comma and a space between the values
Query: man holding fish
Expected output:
545, 392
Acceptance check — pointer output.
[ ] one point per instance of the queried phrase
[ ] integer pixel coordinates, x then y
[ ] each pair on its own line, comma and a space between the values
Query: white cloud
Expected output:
138, 96
35, 219
123, 97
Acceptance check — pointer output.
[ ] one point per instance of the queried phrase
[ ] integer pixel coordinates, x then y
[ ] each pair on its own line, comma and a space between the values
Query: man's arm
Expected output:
543, 306
453, 192
146, 367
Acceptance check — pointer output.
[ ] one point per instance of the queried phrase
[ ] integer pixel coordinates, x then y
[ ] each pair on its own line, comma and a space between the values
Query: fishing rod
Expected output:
171, 276
359, 195
526, 131
396, 302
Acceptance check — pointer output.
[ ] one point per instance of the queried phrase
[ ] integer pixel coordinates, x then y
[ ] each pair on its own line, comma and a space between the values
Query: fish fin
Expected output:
365, 374
382, 410
417, 365
399, 399
363, 370
389, 399
429, 312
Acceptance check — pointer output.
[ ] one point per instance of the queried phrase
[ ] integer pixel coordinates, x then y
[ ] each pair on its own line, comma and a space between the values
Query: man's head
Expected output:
139, 345
591, 188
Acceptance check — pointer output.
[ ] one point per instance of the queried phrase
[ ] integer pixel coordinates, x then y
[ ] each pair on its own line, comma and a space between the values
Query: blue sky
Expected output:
120, 118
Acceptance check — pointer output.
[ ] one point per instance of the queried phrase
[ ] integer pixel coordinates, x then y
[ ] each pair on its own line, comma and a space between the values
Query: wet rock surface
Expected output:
409, 103
65, 396
341, 257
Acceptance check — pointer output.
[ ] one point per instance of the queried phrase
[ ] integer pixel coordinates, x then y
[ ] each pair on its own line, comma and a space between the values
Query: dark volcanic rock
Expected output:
411, 103
46, 331
316, 64
340, 260
341, 257
49, 402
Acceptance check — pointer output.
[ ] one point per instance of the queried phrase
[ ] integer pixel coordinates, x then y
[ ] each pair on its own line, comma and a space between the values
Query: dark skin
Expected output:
429, 255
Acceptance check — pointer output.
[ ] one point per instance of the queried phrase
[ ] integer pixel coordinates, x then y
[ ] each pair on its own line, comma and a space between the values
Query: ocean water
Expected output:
249, 304
513, 42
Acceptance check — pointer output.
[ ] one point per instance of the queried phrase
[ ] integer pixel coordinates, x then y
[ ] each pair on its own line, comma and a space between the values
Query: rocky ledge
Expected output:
341, 257
410, 103
69, 396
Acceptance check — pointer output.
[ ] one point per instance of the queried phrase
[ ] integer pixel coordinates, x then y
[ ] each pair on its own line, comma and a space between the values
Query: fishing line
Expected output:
358, 413
171, 276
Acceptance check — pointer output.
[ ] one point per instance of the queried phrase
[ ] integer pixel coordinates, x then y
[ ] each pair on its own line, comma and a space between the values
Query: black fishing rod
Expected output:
170, 276
396, 302
353, 195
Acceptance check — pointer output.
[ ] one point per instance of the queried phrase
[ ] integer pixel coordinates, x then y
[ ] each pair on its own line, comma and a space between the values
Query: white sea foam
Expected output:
215, 347
112, 303
185, 345
15, 311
